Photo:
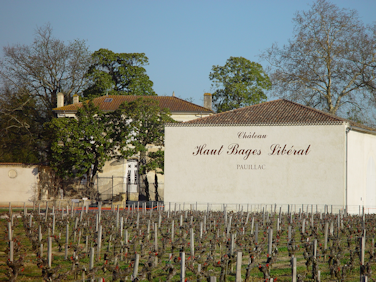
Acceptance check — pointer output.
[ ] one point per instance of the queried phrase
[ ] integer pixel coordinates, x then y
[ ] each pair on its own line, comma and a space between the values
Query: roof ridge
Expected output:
157, 96
187, 102
285, 100
175, 104
333, 116
238, 109
275, 111
315, 110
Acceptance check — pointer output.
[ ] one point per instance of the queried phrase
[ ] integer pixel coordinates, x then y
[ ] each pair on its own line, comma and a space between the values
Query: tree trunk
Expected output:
146, 183
157, 198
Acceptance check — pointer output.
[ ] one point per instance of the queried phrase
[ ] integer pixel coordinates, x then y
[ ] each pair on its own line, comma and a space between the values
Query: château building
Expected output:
274, 152
121, 176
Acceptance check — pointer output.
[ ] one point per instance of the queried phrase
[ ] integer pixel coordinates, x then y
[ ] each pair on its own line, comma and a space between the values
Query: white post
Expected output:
270, 245
11, 251
91, 258
192, 243
314, 248
326, 235
182, 272
232, 246
362, 248
239, 267
156, 237
293, 266
172, 230
49, 252
10, 231
135, 269
99, 242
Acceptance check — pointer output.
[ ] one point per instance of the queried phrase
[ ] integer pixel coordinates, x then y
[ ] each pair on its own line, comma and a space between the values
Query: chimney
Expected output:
60, 100
208, 101
173, 93
76, 99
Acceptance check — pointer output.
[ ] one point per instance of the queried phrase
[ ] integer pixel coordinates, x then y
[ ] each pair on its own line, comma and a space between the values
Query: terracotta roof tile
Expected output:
112, 102
273, 113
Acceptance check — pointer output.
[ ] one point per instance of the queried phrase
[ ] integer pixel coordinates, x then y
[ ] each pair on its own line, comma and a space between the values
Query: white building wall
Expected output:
361, 171
183, 117
18, 183
315, 176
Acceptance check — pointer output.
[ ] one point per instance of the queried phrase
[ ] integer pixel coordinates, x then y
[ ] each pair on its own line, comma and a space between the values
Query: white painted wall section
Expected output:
18, 183
361, 171
253, 164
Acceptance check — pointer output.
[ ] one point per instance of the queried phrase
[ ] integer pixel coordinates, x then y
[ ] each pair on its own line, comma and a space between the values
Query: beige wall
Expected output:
182, 117
361, 171
18, 182
113, 168
118, 169
66, 115
179, 117
315, 177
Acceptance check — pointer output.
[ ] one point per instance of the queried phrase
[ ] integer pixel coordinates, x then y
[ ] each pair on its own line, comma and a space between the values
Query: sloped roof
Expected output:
112, 102
277, 112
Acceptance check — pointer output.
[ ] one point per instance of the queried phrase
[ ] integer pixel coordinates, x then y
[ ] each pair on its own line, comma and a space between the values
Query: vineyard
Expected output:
177, 244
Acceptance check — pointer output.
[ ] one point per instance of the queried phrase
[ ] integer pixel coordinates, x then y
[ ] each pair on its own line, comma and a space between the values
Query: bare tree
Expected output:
46, 67
30, 78
329, 64
8, 111
19, 126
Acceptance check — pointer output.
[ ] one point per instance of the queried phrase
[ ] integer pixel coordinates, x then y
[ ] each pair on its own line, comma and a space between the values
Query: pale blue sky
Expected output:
182, 39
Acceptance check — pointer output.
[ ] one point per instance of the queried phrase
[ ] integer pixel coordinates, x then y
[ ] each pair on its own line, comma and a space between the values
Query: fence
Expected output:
275, 208
111, 188
199, 206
